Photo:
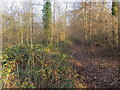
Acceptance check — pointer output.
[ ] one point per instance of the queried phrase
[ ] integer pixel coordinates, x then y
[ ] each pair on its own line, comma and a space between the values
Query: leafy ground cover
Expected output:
40, 66
99, 66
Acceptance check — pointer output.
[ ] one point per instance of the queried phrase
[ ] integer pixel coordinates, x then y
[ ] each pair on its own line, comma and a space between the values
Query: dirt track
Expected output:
99, 68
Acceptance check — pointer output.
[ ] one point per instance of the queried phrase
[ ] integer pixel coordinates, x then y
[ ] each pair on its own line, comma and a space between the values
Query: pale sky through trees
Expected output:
59, 0
38, 8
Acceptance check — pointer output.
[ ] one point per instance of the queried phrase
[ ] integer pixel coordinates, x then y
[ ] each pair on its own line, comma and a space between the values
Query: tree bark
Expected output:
90, 24
119, 25
86, 36
31, 27
0, 49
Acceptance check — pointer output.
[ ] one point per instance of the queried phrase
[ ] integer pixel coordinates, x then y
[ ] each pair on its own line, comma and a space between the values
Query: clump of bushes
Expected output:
37, 67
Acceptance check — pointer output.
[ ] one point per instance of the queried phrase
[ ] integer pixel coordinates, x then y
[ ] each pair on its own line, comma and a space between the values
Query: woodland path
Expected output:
99, 68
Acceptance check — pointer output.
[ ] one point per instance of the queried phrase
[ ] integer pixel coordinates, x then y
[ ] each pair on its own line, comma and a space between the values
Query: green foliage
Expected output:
37, 67
115, 8
63, 47
47, 18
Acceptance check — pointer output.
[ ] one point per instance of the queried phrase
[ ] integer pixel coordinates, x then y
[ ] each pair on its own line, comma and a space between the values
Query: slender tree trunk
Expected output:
0, 49
90, 25
27, 39
21, 31
31, 27
119, 27
53, 24
64, 36
113, 33
22, 37
86, 36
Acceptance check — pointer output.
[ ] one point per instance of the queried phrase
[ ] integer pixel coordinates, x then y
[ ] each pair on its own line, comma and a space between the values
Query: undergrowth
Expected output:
42, 66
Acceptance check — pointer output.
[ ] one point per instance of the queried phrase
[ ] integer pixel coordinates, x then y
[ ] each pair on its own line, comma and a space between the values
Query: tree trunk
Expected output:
119, 25
86, 36
31, 27
90, 25
0, 49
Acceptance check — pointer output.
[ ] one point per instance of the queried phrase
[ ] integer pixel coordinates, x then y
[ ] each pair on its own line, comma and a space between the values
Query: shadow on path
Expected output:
97, 70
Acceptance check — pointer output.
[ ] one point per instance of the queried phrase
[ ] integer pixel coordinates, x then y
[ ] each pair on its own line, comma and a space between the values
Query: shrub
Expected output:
37, 67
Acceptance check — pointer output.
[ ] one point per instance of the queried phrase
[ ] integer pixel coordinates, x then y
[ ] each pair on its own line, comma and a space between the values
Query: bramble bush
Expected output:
37, 67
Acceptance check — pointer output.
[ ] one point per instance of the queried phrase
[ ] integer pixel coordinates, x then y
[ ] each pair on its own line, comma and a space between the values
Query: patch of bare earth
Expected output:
99, 67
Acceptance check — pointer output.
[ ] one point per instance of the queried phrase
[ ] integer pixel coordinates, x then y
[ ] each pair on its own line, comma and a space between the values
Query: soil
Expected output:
99, 66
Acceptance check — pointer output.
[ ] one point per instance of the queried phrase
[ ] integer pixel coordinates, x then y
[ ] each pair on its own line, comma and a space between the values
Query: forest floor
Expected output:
99, 66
